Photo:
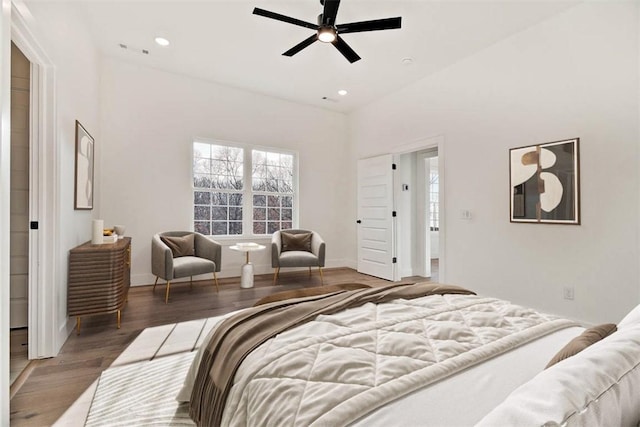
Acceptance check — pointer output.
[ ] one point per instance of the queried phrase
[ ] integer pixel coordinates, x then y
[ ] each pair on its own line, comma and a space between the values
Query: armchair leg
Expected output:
154, 285
321, 276
166, 295
309, 271
215, 279
191, 282
275, 275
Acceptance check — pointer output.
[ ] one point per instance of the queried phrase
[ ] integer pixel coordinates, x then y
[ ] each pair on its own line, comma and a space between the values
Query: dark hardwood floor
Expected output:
54, 384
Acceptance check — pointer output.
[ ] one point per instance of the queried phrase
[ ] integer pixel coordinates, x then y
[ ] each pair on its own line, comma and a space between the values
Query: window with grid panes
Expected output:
229, 181
272, 183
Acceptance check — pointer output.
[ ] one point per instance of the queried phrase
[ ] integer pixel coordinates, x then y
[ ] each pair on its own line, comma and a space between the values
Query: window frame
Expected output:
434, 205
247, 190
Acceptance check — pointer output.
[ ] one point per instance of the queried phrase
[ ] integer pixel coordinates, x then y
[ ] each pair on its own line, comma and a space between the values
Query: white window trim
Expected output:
247, 191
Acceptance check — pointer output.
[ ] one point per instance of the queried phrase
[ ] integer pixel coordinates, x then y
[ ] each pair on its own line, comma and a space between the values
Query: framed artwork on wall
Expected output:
83, 192
545, 183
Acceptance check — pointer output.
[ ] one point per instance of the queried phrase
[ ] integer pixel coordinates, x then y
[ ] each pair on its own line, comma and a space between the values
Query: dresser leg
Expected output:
78, 325
118, 319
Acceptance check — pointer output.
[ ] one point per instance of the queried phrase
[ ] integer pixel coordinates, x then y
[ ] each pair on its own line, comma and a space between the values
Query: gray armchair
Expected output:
297, 251
176, 257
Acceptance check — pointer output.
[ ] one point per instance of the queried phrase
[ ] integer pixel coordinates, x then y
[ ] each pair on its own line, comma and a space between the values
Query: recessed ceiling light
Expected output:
162, 41
342, 92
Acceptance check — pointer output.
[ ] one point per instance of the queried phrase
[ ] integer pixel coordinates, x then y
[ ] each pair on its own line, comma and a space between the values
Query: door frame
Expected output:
5, 212
437, 141
43, 191
423, 172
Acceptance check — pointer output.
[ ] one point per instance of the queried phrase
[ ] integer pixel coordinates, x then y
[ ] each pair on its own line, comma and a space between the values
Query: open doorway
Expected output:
19, 208
400, 212
46, 331
418, 201
429, 186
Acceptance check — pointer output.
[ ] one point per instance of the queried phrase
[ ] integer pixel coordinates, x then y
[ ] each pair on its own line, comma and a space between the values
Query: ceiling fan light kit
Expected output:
328, 32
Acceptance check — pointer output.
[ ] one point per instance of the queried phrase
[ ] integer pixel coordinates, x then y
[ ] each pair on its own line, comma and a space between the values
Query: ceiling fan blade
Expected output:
283, 18
330, 12
374, 25
346, 50
297, 48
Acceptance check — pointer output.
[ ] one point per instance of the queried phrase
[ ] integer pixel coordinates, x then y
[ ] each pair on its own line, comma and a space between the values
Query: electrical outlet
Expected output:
568, 292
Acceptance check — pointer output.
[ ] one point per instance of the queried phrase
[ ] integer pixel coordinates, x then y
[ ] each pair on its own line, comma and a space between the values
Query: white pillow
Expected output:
596, 387
632, 318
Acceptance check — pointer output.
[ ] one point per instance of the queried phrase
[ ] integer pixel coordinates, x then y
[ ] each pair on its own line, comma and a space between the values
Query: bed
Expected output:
417, 361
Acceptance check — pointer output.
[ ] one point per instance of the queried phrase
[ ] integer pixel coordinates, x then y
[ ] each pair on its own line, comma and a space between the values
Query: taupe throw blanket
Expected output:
309, 292
237, 336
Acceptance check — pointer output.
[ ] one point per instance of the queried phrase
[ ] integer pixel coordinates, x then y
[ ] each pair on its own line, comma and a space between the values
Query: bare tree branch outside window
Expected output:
220, 192
218, 184
272, 180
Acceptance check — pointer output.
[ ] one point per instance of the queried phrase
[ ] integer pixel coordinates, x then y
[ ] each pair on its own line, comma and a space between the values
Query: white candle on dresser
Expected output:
96, 235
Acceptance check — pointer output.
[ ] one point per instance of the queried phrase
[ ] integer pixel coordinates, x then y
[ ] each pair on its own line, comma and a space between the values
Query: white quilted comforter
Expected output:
338, 368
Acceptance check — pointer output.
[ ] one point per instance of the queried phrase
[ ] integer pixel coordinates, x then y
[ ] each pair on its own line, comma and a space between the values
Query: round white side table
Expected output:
246, 276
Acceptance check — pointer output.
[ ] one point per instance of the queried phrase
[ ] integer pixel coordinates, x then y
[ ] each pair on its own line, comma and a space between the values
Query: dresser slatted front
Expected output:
99, 279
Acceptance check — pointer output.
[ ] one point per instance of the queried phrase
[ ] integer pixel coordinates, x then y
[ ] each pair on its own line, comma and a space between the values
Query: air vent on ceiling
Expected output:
134, 49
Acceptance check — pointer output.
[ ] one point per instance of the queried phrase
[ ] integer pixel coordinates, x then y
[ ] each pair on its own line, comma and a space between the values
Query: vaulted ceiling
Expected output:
223, 42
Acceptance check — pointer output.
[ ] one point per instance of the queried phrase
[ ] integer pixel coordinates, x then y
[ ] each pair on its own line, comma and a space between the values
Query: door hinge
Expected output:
394, 260
394, 214
393, 166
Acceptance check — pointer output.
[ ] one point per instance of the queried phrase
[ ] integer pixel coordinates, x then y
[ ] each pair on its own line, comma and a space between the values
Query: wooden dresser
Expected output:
99, 278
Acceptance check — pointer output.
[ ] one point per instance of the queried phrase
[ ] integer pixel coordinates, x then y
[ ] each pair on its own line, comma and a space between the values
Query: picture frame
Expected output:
544, 183
84, 166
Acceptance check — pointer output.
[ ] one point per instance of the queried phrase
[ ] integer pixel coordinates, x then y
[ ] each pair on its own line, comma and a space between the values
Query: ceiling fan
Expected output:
328, 32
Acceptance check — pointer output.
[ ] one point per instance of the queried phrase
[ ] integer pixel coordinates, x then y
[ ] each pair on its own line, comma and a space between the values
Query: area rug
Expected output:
142, 394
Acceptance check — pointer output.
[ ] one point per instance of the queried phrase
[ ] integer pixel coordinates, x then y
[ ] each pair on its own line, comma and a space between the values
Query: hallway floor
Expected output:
19, 350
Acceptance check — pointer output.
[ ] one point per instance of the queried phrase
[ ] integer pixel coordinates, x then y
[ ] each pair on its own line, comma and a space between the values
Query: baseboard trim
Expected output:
22, 378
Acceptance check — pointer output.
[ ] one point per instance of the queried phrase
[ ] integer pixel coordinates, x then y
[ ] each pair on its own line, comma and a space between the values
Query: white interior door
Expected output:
376, 245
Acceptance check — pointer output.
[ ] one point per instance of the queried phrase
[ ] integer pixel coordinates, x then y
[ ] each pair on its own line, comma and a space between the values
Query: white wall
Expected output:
149, 119
574, 75
65, 39
406, 207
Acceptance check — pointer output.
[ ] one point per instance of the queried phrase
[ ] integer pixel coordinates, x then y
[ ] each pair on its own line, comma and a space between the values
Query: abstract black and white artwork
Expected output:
545, 183
83, 192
